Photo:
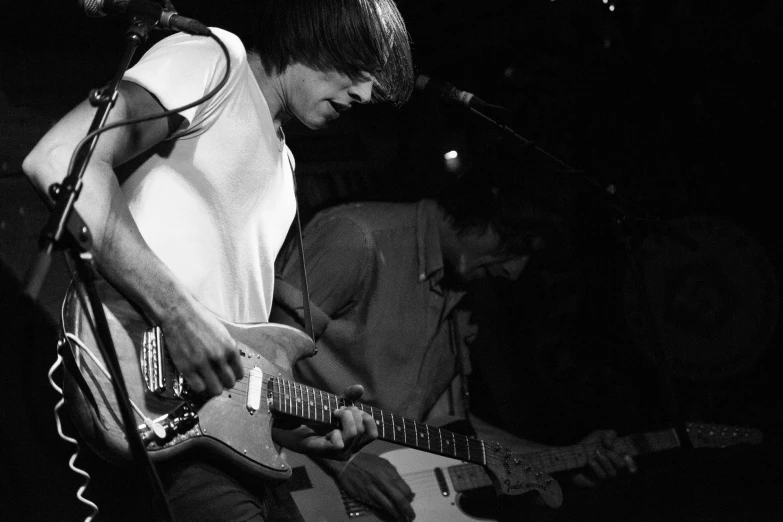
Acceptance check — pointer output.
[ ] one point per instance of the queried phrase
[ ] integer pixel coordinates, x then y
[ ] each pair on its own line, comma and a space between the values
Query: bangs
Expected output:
353, 37
390, 53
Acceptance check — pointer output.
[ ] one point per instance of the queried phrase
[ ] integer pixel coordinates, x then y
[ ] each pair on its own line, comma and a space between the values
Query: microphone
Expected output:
166, 18
447, 91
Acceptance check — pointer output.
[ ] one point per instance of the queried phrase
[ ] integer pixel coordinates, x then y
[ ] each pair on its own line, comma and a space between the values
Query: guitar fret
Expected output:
292, 397
297, 399
309, 403
329, 408
332, 409
371, 412
311, 411
320, 404
453, 449
304, 402
287, 395
313, 403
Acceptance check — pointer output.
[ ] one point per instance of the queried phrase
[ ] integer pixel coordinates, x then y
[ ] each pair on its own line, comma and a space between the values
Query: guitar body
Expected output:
223, 427
439, 481
234, 428
320, 499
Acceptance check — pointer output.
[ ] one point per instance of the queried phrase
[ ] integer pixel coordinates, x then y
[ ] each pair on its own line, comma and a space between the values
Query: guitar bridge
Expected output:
160, 375
168, 426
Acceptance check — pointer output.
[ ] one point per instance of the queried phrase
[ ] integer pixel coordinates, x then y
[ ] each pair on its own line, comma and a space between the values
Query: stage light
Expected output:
452, 162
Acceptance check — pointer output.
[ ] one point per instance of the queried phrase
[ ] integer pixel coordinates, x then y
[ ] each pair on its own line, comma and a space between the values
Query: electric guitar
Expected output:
235, 426
439, 482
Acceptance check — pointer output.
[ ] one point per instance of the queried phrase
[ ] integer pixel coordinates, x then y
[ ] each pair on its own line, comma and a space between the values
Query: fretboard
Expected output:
468, 476
573, 457
313, 405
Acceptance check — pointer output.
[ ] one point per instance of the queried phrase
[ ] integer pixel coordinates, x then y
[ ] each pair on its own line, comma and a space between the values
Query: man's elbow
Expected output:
42, 168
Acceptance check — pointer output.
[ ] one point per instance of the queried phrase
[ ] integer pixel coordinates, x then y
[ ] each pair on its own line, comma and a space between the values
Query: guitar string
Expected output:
297, 399
461, 445
557, 459
464, 448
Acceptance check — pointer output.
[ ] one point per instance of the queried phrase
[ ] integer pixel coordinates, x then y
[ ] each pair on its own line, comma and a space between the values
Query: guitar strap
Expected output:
308, 320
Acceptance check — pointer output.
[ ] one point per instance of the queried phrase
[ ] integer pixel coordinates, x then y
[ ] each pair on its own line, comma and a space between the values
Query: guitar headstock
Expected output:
513, 475
704, 435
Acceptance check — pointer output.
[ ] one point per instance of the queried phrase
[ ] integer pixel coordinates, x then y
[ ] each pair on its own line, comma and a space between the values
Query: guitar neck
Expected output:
573, 457
466, 477
314, 405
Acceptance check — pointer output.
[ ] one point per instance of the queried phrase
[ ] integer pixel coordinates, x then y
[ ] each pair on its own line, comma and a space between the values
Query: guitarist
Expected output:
182, 208
386, 281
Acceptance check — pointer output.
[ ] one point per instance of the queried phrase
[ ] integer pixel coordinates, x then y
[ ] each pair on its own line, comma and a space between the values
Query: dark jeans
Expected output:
198, 491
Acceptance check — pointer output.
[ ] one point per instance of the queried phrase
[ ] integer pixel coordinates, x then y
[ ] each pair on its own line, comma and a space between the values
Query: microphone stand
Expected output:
622, 217
66, 230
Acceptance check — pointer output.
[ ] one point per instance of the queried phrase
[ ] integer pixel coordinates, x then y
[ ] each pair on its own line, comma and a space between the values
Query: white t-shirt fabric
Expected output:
214, 201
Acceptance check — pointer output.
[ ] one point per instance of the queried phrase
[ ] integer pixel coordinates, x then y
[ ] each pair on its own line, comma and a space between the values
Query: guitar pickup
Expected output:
152, 360
442, 484
255, 388
160, 376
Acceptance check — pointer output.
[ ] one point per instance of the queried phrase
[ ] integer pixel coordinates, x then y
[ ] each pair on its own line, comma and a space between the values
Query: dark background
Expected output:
667, 312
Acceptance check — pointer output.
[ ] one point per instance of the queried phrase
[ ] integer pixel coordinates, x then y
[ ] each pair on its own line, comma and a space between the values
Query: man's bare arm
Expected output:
200, 346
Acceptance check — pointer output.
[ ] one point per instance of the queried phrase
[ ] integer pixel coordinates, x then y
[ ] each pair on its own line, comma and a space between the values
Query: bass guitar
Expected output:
439, 482
235, 426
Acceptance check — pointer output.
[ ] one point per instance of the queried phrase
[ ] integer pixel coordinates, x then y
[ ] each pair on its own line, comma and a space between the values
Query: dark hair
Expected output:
521, 216
353, 37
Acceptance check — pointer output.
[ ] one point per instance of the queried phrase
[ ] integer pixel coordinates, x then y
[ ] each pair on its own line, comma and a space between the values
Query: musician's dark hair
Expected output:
511, 204
353, 37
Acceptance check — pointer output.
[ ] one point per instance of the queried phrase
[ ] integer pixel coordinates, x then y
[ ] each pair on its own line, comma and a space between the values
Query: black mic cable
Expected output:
166, 18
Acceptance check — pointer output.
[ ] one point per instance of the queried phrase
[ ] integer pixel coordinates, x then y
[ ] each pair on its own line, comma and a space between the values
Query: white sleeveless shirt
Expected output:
215, 201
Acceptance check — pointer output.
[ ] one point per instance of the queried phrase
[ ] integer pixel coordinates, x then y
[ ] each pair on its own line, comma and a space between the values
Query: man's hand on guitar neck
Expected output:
603, 462
602, 459
357, 429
